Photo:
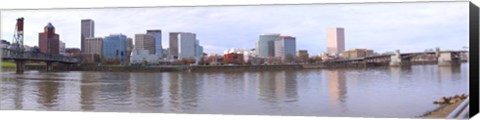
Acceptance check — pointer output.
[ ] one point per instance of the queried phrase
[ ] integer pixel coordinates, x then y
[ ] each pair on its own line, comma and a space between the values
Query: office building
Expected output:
72, 51
335, 41
165, 53
184, 45
198, 50
234, 56
92, 51
302, 56
157, 34
146, 42
265, 45
115, 48
285, 48
62, 48
129, 48
49, 41
93, 46
87, 31
173, 45
4, 43
142, 56
357, 53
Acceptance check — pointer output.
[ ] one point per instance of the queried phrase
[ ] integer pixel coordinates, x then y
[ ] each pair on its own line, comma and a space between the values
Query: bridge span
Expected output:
22, 57
442, 58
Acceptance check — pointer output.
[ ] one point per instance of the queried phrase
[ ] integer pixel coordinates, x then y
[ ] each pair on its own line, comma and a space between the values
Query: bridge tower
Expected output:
437, 52
18, 35
18, 45
396, 59
448, 59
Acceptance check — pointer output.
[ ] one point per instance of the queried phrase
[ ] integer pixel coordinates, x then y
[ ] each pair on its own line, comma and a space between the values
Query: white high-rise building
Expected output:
335, 41
186, 45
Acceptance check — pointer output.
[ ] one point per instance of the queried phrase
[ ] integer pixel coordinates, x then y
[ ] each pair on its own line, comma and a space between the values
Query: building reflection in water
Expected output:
18, 98
397, 72
246, 87
183, 91
277, 87
174, 90
337, 87
447, 72
113, 92
71, 91
190, 86
147, 91
87, 90
48, 90
121, 89
12, 98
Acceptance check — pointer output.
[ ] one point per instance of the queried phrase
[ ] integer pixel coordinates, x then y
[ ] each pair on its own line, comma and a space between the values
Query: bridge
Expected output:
21, 57
16, 52
442, 58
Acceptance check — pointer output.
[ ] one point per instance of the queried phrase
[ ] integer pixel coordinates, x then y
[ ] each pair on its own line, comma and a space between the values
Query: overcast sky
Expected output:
382, 26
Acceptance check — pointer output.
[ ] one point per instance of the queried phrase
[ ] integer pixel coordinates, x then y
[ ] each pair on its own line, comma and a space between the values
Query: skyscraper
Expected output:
198, 51
62, 48
87, 31
93, 46
173, 45
93, 49
285, 48
157, 34
146, 42
335, 41
115, 47
49, 41
265, 45
186, 45
129, 46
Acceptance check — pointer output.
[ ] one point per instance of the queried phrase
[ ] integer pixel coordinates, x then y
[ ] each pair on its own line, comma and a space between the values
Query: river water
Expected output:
373, 92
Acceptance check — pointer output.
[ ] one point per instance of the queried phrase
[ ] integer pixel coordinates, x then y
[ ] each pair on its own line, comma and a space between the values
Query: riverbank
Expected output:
185, 68
448, 104
199, 68
443, 111
189, 68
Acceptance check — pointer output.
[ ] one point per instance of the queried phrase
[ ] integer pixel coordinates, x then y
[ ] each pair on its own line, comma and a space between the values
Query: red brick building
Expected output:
73, 51
233, 58
49, 41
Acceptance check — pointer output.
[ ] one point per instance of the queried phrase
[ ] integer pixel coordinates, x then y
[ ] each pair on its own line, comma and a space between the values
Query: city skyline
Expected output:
397, 26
